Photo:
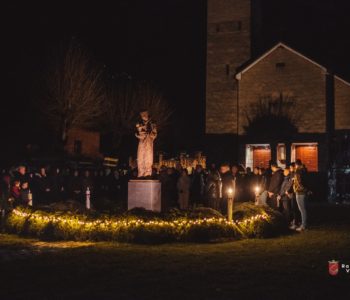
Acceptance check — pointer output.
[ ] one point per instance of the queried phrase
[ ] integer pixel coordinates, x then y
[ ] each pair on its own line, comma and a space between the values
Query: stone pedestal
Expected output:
144, 193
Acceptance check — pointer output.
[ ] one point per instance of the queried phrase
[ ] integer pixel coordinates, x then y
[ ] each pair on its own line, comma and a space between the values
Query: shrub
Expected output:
273, 226
142, 226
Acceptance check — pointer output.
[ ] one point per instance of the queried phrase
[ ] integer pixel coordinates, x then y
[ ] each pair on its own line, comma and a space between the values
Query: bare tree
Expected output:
125, 100
76, 93
276, 117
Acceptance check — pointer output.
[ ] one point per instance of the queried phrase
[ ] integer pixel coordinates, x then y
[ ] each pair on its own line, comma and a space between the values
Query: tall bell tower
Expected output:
228, 47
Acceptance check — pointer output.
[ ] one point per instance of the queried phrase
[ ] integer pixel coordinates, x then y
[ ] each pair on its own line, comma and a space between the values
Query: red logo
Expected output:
333, 267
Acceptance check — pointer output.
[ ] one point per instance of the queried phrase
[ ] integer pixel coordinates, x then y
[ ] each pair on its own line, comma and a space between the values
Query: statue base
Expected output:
144, 193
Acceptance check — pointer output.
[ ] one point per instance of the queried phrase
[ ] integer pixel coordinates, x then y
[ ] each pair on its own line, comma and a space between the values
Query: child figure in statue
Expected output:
146, 132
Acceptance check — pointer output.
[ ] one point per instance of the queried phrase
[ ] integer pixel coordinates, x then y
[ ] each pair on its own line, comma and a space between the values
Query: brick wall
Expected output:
341, 104
228, 47
298, 79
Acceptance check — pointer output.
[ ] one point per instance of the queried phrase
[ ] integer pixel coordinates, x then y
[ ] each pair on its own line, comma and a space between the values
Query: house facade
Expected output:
320, 100
315, 101
83, 143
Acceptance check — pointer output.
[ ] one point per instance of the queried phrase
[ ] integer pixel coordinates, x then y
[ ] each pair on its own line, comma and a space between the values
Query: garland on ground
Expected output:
82, 227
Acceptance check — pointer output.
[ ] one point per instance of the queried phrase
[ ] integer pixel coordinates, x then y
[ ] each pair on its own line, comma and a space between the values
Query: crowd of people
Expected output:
283, 190
46, 185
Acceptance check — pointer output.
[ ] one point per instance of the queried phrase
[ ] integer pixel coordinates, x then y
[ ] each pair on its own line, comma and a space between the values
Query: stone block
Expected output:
144, 193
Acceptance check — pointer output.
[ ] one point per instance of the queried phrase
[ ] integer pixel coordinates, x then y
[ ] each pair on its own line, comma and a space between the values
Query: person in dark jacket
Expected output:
25, 193
285, 195
87, 181
173, 196
165, 179
238, 173
275, 185
114, 185
183, 188
56, 184
227, 183
16, 193
75, 187
5, 190
197, 186
213, 189
261, 188
44, 186
21, 174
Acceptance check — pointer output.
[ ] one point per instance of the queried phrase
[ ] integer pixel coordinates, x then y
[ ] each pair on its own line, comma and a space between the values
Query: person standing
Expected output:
25, 193
213, 189
183, 188
275, 185
197, 186
44, 187
173, 196
21, 174
5, 191
16, 193
261, 188
285, 195
75, 187
300, 193
227, 184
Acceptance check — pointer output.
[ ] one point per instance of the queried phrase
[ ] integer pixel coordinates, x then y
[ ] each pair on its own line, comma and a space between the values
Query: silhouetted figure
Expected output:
183, 189
275, 185
197, 186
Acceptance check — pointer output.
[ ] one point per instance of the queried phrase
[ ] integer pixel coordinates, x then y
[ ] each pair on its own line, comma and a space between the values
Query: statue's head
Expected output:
144, 114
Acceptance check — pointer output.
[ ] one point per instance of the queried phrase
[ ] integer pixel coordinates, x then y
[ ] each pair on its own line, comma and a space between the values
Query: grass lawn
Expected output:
288, 267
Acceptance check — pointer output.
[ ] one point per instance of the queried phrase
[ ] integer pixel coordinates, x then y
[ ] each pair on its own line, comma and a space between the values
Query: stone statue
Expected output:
146, 132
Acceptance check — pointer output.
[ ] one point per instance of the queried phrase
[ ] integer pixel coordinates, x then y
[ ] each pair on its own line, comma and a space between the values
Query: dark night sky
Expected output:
162, 41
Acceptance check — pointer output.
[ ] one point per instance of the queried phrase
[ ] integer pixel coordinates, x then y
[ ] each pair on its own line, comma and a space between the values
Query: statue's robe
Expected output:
146, 132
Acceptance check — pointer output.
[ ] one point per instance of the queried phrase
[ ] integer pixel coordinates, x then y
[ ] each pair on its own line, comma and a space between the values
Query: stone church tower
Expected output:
228, 47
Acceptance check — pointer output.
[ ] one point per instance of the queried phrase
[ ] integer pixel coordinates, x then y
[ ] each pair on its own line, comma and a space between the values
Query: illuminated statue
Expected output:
146, 132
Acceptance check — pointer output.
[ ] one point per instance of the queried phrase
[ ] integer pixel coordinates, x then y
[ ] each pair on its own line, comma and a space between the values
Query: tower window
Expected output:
230, 26
227, 70
77, 147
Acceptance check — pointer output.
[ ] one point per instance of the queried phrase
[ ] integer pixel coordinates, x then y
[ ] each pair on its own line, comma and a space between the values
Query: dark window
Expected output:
280, 65
77, 147
235, 85
230, 26
227, 70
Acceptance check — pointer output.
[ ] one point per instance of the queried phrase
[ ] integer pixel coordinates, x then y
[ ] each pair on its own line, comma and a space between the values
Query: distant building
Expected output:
238, 83
83, 143
184, 161
321, 101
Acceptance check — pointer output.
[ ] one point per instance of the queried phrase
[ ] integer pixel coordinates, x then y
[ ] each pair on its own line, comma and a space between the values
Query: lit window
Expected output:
258, 155
307, 153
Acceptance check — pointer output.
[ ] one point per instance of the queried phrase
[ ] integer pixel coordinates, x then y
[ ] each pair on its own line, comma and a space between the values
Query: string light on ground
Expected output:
130, 228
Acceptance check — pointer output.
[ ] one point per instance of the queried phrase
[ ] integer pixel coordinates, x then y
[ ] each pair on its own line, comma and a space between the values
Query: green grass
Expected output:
287, 267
